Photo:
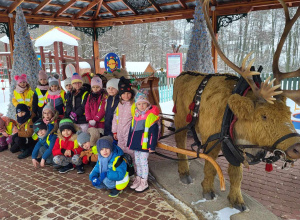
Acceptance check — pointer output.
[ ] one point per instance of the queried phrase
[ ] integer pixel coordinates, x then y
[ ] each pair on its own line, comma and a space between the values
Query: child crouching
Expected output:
106, 175
8, 127
66, 150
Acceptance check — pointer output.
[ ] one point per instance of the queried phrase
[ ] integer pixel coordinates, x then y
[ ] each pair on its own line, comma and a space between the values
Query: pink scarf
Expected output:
43, 87
54, 93
19, 89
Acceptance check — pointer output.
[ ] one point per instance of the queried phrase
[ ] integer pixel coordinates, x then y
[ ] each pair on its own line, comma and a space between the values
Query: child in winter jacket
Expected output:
50, 116
66, 150
95, 105
39, 96
8, 127
123, 115
106, 174
68, 88
111, 104
142, 138
23, 93
76, 103
44, 145
23, 139
56, 95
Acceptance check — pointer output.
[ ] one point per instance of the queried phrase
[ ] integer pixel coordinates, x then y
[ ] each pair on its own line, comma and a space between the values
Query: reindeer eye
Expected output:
264, 117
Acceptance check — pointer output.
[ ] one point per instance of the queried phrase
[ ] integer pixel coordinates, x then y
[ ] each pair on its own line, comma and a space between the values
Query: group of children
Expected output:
87, 124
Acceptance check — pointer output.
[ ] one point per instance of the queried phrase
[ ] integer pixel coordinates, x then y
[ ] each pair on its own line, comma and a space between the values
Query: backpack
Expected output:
129, 162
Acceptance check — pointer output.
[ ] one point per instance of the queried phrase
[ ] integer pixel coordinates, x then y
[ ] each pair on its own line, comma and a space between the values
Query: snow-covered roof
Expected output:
56, 34
4, 39
84, 65
133, 66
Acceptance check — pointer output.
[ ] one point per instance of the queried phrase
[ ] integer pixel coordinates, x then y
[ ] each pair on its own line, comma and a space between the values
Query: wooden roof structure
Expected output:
101, 13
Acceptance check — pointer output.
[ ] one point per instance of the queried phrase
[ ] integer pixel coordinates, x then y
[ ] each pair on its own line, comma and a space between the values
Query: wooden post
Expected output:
50, 61
62, 59
213, 48
11, 42
76, 59
56, 58
96, 57
8, 59
123, 61
42, 58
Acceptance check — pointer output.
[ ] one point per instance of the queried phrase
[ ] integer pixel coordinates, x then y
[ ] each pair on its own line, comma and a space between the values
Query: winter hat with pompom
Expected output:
96, 81
53, 80
76, 78
22, 78
2, 123
42, 74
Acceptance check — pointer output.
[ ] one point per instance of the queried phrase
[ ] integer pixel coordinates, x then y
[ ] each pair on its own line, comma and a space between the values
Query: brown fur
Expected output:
258, 123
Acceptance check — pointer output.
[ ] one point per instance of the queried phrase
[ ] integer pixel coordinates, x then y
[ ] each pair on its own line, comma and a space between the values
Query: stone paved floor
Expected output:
29, 193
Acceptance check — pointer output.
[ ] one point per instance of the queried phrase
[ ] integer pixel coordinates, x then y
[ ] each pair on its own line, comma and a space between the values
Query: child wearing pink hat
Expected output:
23, 93
95, 105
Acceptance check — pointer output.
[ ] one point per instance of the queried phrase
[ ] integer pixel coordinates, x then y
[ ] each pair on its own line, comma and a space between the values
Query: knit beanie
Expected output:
76, 78
68, 81
67, 123
42, 75
83, 137
96, 81
22, 108
141, 96
53, 80
39, 125
125, 86
105, 142
113, 83
50, 107
22, 78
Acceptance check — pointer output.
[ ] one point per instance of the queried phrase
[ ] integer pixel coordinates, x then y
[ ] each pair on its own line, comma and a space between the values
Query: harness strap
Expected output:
282, 139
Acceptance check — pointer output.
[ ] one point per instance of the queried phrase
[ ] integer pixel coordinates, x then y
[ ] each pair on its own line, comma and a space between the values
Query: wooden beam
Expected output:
63, 9
42, 58
96, 57
76, 59
41, 6
110, 10
56, 58
214, 52
155, 6
14, 5
130, 8
182, 3
86, 8
98, 10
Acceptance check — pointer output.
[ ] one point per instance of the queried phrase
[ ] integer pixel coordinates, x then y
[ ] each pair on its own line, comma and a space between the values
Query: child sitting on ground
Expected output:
23, 140
8, 127
39, 96
50, 116
23, 93
105, 174
44, 145
87, 140
66, 151
111, 104
142, 138
56, 95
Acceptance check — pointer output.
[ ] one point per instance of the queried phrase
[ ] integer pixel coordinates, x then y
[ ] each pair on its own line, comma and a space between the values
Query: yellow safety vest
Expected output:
120, 185
132, 112
26, 125
94, 150
82, 99
42, 99
75, 144
9, 128
102, 119
20, 99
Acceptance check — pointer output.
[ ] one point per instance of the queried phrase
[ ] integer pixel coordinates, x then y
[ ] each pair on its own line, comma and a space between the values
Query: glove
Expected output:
85, 160
96, 181
102, 176
92, 123
73, 116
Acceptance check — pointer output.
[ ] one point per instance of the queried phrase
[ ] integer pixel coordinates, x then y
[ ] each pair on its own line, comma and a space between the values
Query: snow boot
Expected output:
66, 169
136, 182
143, 186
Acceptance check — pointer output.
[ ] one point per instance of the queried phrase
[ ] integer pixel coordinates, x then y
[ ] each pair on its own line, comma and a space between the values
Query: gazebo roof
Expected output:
100, 13
56, 34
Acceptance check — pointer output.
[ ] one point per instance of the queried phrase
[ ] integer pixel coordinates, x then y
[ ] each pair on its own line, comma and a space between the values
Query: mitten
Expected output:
96, 181
102, 176
85, 160
73, 116
92, 123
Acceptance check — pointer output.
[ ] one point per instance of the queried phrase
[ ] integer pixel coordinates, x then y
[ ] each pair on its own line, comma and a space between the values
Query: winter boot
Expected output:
26, 153
3, 143
143, 186
115, 192
66, 169
80, 169
136, 182
3, 148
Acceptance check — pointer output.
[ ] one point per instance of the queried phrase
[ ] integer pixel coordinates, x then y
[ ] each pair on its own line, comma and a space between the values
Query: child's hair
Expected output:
67, 123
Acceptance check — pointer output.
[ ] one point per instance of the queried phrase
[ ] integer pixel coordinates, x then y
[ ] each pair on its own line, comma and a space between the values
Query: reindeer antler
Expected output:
292, 94
266, 91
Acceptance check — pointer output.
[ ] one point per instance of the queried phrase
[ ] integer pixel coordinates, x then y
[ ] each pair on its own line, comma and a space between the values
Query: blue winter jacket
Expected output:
43, 142
119, 172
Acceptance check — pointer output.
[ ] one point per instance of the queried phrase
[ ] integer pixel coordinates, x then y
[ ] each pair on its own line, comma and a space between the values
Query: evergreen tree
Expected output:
199, 53
25, 59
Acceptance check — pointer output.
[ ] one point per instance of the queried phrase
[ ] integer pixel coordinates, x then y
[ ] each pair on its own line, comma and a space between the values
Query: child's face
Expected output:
112, 91
69, 87
105, 152
43, 81
47, 114
96, 89
126, 96
21, 114
86, 145
142, 106
77, 85
42, 133
66, 133
54, 88
22, 84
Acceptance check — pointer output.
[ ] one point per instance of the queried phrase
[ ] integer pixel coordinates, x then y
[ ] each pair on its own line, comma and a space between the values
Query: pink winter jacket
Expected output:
123, 127
92, 111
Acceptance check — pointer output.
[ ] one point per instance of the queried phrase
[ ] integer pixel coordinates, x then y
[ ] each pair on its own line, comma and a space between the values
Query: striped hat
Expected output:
67, 123
76, 78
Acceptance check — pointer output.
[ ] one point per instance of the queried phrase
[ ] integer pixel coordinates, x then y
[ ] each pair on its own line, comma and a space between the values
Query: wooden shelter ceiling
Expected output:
100, 13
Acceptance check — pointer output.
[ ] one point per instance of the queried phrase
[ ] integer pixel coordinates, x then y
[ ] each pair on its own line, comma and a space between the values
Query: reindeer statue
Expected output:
262, 119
